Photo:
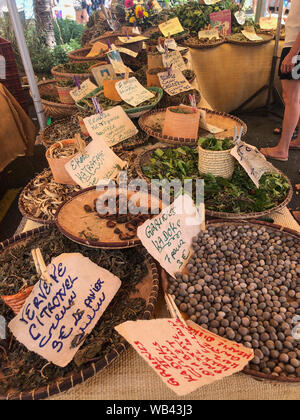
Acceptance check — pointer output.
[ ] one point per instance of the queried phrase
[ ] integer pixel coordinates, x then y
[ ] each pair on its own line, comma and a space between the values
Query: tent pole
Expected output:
17, 25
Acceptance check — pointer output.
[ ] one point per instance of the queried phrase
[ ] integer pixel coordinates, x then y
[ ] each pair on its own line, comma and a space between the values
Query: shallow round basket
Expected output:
266, 39
259, 375
247, 216
153, 121
147, 289
145, 157
190, 43
80, 56
54, 109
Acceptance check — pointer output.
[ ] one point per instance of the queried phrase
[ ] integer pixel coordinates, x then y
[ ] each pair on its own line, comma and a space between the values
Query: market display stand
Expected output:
130, 377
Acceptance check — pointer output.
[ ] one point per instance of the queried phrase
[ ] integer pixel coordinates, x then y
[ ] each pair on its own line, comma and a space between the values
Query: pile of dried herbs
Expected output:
214, 144
236, 195
22, 370
75, 68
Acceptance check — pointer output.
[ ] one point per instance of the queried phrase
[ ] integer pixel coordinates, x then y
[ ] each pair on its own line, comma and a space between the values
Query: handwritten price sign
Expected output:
57, 318
186, 357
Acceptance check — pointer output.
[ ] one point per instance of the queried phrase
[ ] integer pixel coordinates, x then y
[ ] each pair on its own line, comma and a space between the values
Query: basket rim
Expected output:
56, 105
249, 43
94, 367
179, 140
199, 46
211, 213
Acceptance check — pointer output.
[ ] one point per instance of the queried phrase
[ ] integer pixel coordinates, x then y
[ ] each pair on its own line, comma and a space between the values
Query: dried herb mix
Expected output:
23, 370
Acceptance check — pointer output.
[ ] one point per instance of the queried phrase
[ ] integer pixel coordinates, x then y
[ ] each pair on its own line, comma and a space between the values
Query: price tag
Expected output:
168, 237
132, 92
268, 23
57, 318
209, 34
240, 17
116, 61
86, 88
206, 126
252, 36
98, 49
174, 59
132, 39
186, 357
171, 27
174, 82
254, 162
98, 163
113, 127
126, 51
209, 2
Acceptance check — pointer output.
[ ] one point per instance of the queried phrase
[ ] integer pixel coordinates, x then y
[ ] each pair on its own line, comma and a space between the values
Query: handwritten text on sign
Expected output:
171, 27
168, 237
174, 82
56, 318
175, 59
254, 162
186, 358
132, 92
86, 88
99, 163
113, 127
252, 36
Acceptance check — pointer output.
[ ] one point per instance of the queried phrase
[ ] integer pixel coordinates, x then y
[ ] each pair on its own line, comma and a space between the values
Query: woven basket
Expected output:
58, 75
16, 302
54, 109
71, 379
218, 163
80, 56
107, 37
197, 44
266, 39
64, 95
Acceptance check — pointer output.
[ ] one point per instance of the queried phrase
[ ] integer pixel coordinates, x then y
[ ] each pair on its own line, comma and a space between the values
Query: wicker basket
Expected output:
218, 163
107, 37
54, 109
80, 56
58, 75
16, 302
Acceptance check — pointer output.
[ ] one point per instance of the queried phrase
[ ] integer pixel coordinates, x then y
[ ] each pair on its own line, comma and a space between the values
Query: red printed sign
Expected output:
221, 20
186, 357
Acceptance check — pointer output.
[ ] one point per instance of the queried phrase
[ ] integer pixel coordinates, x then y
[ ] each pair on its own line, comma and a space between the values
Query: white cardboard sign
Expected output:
168, 237
56, 318
113, 127
132, 92
175, 59
86, 88
174, 83
99, 163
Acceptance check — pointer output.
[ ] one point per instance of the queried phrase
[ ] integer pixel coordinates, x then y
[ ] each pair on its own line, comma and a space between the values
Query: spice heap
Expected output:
62, 150
23, 370
243, 284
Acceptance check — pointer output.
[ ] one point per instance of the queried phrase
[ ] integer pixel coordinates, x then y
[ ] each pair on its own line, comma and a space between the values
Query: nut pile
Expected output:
243, 283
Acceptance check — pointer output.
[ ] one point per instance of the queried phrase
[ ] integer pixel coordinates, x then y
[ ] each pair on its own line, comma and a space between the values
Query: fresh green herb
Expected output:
211, 143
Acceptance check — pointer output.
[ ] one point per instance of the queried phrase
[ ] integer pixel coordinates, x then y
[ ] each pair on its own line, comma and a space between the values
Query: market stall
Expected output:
200, 281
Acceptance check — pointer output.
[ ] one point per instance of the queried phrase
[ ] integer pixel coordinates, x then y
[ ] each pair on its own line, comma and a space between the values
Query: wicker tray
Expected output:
148, 289
152, 124
202, 45
71, 219
54, 109
266, 39
80, 56
144, 157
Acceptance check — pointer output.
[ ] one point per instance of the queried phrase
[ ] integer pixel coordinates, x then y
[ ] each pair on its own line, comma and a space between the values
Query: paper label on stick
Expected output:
99, 163
254, 162
175, 59
131, 39
127, 51
97, 49
116, 61
113, 127
174, 83
209, 2
240, 17
209, 34
105, 72
171, 44
268, 23
186, 357
168, 237
56, 318
132, 92
86, 88
252, 36
208, 127
171, 27
222, 21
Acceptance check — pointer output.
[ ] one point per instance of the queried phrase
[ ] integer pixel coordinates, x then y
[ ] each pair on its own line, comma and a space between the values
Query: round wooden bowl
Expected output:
147, 289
